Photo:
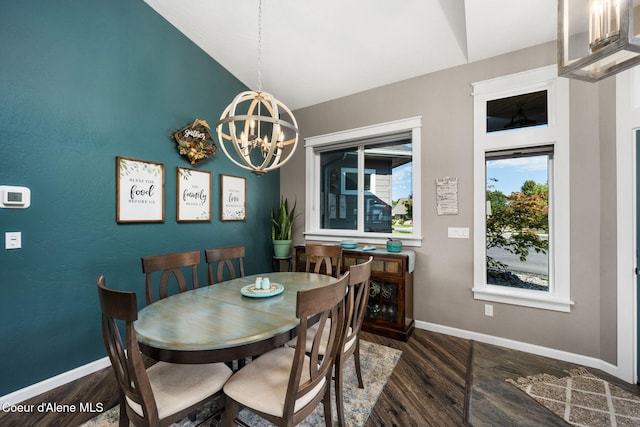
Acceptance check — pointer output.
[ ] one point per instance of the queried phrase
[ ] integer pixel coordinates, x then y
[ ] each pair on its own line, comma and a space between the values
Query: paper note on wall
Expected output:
447, 196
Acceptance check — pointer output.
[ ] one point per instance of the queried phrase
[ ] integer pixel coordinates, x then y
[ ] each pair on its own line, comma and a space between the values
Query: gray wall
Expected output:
608, 250
444, 267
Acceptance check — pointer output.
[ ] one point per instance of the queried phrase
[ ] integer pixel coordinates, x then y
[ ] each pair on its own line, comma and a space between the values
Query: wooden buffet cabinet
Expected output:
390, 306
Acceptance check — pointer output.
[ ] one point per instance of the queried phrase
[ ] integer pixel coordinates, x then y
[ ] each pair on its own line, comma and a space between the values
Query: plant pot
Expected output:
282, 248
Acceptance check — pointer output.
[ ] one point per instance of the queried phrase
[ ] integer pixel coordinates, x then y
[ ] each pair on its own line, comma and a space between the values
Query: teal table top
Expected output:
217, 323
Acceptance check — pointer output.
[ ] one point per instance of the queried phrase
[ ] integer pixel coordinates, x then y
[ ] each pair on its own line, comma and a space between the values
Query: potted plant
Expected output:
281, 228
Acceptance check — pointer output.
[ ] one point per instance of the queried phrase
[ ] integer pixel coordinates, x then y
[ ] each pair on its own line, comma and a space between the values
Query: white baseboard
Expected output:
522, 346
53, 382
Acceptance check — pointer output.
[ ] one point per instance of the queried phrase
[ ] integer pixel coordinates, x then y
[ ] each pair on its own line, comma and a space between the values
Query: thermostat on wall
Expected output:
14, 197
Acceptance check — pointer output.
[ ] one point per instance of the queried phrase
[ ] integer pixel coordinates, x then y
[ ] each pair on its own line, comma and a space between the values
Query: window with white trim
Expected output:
362, 184
521, 190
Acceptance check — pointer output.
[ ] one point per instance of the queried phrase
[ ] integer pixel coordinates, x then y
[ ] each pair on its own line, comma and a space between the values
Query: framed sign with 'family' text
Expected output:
193, 195
139, 190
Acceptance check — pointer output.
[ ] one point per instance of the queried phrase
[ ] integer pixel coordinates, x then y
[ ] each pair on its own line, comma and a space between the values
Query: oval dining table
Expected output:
217, 323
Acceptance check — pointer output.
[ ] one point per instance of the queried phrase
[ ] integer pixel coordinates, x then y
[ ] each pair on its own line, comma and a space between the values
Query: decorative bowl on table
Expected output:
349, 244
394, 245
252, 291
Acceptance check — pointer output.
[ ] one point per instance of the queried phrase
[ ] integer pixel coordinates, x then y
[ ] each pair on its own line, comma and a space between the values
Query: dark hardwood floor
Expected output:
440, 380
427, 387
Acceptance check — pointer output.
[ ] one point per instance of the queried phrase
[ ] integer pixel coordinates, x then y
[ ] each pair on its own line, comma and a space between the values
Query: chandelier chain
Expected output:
259, 45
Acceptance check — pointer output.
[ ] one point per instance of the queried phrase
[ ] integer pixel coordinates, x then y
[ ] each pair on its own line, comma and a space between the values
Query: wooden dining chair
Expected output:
286, 384
224, 257
169, 265
358, 295
325, 255
356, 306
165, 392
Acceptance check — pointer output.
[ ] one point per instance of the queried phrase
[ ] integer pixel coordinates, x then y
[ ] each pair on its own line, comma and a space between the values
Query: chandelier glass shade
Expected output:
597, 38
257, 132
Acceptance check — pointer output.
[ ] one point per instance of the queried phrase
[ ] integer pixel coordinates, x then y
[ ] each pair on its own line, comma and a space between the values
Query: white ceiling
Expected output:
317, 51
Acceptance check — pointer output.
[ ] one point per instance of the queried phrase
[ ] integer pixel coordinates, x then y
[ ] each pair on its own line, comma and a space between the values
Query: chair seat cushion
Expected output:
262, 384
176, 386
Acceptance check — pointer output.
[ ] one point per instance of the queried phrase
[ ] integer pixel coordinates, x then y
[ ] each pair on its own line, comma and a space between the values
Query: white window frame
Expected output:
556, 133
313, 148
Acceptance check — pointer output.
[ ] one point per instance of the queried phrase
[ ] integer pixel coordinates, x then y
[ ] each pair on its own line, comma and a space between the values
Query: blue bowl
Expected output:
349, 244
394, 246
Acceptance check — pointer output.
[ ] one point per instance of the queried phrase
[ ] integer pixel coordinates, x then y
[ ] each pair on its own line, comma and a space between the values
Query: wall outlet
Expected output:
488, 310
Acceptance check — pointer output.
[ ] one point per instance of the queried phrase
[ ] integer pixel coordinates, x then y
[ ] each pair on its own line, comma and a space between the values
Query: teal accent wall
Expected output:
82, 82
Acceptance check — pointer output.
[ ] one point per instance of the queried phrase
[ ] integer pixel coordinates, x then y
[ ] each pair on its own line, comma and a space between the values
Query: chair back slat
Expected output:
171, 266
326, 257
224, 258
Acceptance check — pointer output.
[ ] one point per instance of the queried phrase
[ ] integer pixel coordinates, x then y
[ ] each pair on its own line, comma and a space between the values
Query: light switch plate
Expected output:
12, 240
458, 232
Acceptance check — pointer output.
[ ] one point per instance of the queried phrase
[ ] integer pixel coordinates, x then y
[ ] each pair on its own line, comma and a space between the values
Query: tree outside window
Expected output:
517, 224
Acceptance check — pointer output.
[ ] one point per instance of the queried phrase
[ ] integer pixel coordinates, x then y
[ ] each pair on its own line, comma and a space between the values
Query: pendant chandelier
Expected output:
256, 131
597, 38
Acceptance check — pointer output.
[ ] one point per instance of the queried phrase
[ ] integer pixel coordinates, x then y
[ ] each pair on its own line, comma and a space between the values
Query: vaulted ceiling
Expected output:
317, 51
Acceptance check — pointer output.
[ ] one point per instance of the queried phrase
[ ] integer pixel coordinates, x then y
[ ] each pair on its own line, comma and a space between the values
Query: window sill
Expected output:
379, 239
522, 297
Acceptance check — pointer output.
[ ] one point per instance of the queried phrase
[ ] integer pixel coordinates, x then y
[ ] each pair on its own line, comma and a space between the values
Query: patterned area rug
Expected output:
377, 362
582, 399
